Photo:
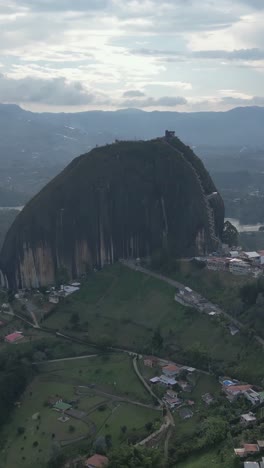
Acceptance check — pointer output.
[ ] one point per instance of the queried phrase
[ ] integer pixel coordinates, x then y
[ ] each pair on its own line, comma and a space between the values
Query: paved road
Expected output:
144, 382
168, 423
176, 284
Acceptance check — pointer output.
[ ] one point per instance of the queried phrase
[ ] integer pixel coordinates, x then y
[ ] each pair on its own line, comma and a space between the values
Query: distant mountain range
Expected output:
34, 147
62, 136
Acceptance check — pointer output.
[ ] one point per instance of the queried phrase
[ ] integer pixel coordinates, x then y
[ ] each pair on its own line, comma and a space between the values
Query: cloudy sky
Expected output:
183, 55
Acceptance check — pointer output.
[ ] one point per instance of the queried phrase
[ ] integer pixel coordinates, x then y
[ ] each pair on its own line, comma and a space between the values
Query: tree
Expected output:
123, 429
134, 457
71, 428
157, 340
75, 319
149, 426
108, 441
249, 293
20, 430
230, 234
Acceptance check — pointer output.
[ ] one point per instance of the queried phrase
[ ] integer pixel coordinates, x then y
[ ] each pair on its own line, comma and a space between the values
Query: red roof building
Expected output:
171, 370
234, 391
96, 461
14, 337
251, 448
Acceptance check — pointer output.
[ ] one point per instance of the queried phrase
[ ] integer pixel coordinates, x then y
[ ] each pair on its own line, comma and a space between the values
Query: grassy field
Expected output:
19, 449
122, 307
104, 414
112, 374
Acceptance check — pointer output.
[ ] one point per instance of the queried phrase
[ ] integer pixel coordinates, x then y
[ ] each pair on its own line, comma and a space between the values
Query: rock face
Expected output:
123, 200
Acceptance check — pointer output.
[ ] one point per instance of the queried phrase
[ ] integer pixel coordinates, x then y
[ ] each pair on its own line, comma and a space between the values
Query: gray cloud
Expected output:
171, 55
54, 91
164, 101
133, 94
257, 4
236, 101
65, 5
240, 54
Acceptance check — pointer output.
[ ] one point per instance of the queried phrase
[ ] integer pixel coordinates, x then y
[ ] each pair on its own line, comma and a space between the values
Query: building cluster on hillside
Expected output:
248, 450
237, 262
64, 291
172, 374
234, 389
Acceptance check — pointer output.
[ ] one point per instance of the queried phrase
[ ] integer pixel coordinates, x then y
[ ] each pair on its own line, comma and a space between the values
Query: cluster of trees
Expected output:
15, 373
134, 457
211, 432
230, 234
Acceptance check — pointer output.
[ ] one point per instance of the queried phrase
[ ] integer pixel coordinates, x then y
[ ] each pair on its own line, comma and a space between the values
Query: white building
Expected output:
252, 257
254, 397
217, 263
239, 267
247, 419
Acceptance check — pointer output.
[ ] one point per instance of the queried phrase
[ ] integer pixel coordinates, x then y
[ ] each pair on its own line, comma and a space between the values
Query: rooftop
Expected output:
13, 337
252, 254
171, 368
249, 417
96, 461
61, 406
251, 464
251, 448
238, 388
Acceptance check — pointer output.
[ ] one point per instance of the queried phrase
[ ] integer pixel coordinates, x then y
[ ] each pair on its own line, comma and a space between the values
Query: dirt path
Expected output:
75, 358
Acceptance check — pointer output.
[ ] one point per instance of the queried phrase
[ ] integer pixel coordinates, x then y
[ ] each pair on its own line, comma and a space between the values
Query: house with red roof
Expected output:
234, 391
14, 337
171, 370
96, 461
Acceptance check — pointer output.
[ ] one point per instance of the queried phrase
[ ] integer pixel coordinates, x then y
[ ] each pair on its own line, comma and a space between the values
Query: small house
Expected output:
185, 413
237, 266
96, 461
208, 398
247, 449
14, 337
185, 386
171, 370
169, 381
150, 361
54, 298
217, 263
248, 419
251, 464
252, 257
251, 449
253, 397
234, 391
61, 406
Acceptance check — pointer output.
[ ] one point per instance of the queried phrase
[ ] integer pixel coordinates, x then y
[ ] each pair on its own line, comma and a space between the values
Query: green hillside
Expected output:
124, 308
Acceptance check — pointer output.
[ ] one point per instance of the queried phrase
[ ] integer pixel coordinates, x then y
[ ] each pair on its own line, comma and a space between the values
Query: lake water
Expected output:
244, 227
